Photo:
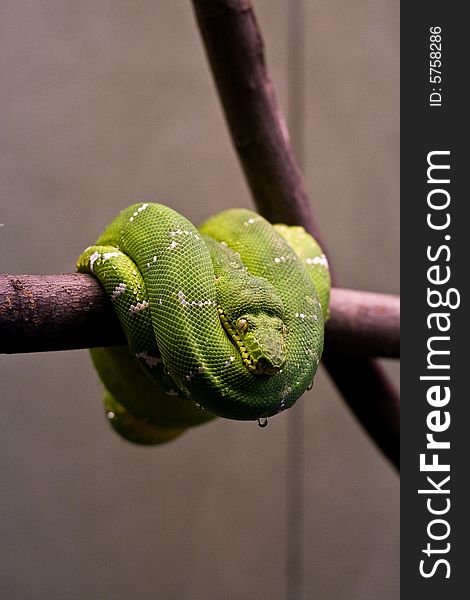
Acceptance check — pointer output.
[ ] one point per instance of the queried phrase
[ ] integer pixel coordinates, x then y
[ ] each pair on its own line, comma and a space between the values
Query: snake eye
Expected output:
242, 325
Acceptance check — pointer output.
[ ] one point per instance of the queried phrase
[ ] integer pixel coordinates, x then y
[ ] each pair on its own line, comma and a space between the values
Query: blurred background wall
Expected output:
107, 103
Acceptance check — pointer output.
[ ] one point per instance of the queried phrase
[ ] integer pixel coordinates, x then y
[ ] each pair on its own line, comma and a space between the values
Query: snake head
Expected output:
260, 339
251, 312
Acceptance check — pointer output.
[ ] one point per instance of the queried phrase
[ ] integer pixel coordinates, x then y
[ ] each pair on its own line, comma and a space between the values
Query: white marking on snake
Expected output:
135, 308
118, 290
107, 255
93, 258
201, 303
280, 259
180, 232
182, 298
283, 395
229, 361
317, 260
192, 374
152, 361
136, 212
172, 246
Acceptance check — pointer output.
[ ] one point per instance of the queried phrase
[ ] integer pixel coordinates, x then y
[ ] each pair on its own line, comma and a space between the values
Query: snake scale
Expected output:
224, 320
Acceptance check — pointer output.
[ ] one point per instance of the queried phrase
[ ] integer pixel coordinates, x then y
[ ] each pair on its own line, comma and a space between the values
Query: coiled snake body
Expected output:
223, 320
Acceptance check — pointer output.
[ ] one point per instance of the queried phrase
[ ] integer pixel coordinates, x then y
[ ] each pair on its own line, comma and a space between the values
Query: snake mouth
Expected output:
260, 368
256, 365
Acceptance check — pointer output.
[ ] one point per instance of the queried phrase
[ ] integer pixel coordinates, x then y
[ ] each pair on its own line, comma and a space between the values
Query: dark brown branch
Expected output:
61, 312
235, 52
259, 133
363, 324
40, 313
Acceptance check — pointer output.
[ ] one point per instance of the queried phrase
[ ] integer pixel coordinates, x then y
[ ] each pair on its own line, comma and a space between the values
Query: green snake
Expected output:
224, 320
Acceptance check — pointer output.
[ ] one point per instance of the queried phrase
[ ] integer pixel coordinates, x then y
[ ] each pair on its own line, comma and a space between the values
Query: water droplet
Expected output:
263, 421
110, 414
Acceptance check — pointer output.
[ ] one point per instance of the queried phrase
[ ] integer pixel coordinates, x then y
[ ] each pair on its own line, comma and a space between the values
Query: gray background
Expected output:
104, 104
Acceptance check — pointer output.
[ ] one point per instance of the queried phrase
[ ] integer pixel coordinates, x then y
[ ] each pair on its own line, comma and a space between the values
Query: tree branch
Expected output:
259, 132
234, 49
363, 324
40, 313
